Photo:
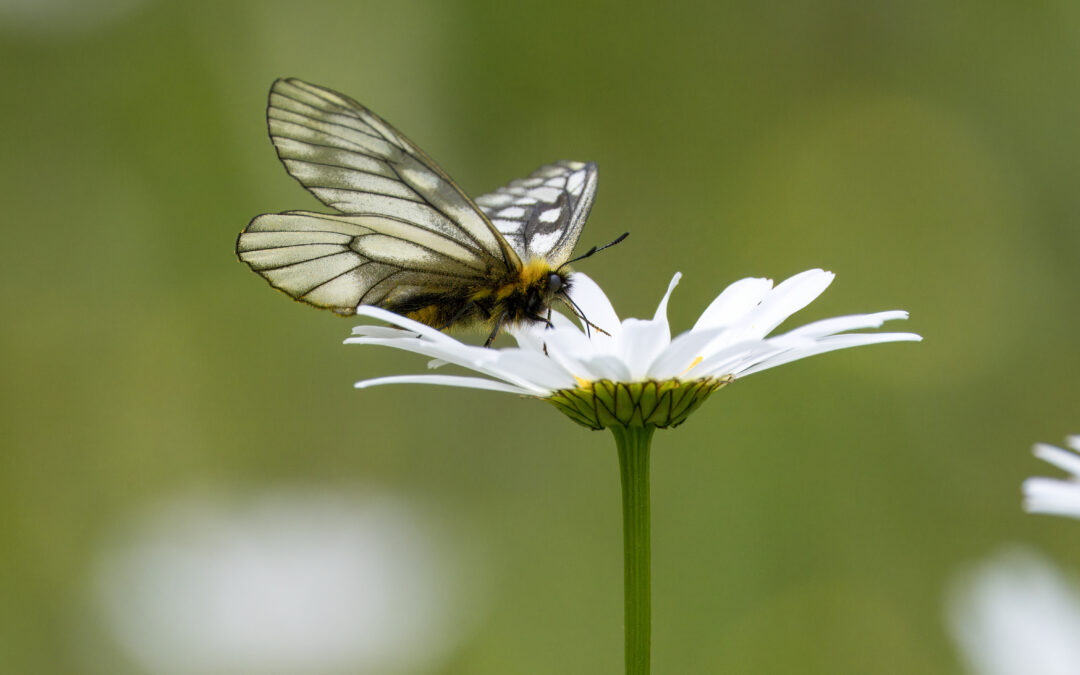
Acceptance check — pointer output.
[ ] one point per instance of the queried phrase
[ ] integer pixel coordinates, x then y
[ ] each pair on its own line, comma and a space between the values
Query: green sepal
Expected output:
658, 404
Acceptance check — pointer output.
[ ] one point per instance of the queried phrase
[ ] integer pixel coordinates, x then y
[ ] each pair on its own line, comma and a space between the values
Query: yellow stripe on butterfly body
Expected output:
429, 315
403, 235
517, 299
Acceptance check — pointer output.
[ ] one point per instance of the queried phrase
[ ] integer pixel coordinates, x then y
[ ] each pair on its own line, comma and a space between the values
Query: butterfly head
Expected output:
535, 289
555, 282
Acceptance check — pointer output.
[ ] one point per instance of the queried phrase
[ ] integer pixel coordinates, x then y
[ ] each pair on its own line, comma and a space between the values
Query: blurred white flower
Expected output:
728, 341
63, 18
1055, 495
1016, 614
283, 584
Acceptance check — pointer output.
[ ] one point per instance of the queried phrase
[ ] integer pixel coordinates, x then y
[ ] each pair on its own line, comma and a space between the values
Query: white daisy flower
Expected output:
1016, 614
1054, 495
284, 582
609, 372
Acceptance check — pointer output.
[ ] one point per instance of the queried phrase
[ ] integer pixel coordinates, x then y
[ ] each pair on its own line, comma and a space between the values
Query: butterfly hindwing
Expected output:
542, 215
341, 261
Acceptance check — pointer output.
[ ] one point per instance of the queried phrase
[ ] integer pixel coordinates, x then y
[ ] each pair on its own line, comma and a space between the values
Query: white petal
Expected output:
467, 356
533, 336
581, 358
1052, 496
840, 324
389, 332
559, 320
431, 342
661, 309
733, 303
788, 297
738, 357
1062, 459
777, 305
447, 381
1073, 442
480, 359
829, 344
681, 354
404, 322
568, 349
806, 282
608, 367
535, 368
640, 343
593, 303
529, 336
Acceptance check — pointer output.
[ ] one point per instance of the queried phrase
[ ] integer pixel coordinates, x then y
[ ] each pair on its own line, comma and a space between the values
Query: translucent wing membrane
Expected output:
341, 261
356, 163
542, 215
404, 237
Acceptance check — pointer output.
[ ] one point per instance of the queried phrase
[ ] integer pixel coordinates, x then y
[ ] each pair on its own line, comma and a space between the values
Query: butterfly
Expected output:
404, 236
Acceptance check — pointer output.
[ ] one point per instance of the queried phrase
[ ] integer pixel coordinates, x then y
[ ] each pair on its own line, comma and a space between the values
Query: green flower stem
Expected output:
633, 411
633, 444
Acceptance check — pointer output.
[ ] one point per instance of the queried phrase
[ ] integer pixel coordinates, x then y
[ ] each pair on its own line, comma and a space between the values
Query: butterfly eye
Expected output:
555, 283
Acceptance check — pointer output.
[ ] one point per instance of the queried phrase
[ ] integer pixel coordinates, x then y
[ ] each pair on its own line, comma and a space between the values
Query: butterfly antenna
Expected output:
589, 325
594, 250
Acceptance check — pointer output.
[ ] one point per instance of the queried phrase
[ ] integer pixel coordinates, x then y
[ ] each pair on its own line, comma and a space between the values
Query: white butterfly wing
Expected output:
341, 261
542, 215
403, 223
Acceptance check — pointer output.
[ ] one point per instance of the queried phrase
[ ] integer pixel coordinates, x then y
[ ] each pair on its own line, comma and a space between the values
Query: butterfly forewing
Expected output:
542, 215
356, 163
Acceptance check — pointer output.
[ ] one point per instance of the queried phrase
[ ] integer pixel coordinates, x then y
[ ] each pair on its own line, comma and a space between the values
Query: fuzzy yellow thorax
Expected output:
533, 273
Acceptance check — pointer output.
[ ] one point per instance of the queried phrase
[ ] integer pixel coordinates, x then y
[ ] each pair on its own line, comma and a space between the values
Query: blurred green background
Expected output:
806, 520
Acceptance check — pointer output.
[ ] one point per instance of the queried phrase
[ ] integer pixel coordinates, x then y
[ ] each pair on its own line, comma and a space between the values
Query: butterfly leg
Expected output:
495, 330
539, 319
457, 315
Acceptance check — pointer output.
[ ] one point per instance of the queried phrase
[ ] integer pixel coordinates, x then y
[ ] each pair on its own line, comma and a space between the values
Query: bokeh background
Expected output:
158, 399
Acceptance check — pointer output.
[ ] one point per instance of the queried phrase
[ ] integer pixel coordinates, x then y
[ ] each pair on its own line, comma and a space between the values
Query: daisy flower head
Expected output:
284, 581
1016, 613
1056, 496
603, 372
